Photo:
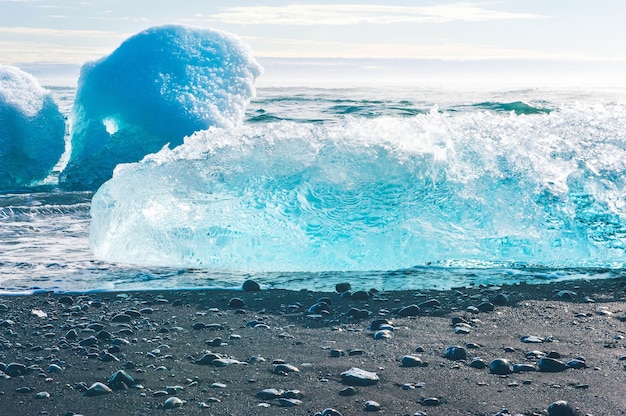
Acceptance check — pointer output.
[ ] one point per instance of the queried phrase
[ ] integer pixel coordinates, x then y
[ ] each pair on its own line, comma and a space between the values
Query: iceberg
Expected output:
157, 87
475, 188
32, 130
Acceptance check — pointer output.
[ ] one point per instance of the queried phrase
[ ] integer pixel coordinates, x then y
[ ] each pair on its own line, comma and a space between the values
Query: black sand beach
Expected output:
217, 352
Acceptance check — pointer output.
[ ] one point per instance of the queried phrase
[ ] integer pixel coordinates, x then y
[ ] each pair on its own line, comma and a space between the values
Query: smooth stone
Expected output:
383, 334
335, 353
377, 323
485, 307
577, 364
410, 310
431, 401
523, 368
331, 412
343, 287
429, 304
348, 391
291, 394
208, 358
121, 378
97, 389
478, 363
54, 368
500, 366
269, 394
565, 295
173, 403
224, 362
236, 303
289, 402
560, 408
285, 369
501, 299
42, 395
121, 318
372, 406
412, 361
15, 369
360, 295
455, 353
250, 286
357, 377
531, 339
462, 329
551, 365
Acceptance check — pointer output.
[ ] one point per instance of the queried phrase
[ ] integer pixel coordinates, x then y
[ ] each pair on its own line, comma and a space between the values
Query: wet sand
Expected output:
216, 354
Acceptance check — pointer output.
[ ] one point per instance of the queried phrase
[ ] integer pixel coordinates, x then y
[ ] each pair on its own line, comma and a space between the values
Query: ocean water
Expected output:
487, 186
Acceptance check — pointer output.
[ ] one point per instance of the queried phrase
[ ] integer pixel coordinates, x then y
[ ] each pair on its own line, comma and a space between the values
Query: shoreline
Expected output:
61, 344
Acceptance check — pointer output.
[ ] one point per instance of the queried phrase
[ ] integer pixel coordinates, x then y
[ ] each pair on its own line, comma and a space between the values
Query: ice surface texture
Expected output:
156, 88
474, 188
31, 130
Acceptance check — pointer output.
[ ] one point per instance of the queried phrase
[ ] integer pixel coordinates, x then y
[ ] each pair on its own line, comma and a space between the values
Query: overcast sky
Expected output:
64, 31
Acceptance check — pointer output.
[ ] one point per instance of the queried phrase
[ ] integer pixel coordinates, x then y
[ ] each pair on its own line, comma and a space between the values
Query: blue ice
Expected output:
157, 87
31, 130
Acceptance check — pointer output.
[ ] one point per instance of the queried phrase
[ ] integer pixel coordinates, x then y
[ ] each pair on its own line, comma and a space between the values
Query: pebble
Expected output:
42, 395
285, 369
500, 366
551, 365
348, 391
376, 324
485, 307
410, 310
383, 334
455, 353
560, 408
412, 361
430, 401
121, 379
342, 287
236, 303
501, 299
97, 389
173, 403
250, 286
15, 369
372, 406
531, 339
522, 368
565, 295
289, 402
269, 394
478, 363
330, 412
360, 295
357, 377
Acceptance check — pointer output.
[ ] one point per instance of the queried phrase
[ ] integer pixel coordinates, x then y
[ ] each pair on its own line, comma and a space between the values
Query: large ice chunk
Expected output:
157, 87
472, 188
31, 130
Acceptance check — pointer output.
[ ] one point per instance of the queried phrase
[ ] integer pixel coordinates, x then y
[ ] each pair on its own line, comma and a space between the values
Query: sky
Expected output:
564, 36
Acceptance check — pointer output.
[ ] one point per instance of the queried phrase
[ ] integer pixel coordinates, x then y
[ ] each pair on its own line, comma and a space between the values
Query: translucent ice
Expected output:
31, 130
156, 88
376, 194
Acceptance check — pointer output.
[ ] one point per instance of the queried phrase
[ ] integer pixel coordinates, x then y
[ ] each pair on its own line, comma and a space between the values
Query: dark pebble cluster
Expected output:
244, 352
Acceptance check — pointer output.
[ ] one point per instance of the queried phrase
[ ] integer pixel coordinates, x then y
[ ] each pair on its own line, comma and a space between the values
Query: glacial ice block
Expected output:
31, 130
157, 87
473, 188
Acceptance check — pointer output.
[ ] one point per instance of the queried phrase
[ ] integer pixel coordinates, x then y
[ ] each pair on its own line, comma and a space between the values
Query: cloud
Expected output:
41, 31
306, 48
352, 14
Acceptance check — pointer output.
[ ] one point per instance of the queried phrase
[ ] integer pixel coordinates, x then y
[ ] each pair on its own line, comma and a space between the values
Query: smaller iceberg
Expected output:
157, 87
32, 130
